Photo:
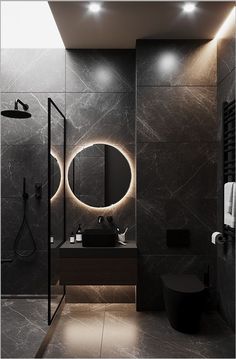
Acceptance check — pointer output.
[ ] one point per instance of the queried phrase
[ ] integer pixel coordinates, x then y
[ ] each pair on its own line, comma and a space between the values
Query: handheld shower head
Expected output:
17, 113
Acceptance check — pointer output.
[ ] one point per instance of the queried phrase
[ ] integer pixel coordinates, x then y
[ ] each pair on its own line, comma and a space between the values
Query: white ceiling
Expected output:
119, 24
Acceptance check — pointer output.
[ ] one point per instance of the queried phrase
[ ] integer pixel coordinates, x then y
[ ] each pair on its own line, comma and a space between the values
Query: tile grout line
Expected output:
100, 355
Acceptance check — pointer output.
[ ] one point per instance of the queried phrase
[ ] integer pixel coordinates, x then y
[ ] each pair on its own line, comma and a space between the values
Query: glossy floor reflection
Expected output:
23, 326
118, 331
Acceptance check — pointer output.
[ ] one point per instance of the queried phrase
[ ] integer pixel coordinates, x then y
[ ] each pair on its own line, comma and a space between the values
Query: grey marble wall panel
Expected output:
11, 219
156, 215
100, 70
149, 291
29, 161
33, 70
176, 63
226, 92
176, 159
183, 169
25, 276
32, 75
226, 284
176, 114
32, 130
226, 49
100, 117
100, 105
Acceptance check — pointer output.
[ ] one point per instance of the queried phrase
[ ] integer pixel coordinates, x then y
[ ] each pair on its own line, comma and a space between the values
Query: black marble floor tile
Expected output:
78, 334
100, 70
118, 331
23, 327
33, 70
176, 114
176, 62
149, 335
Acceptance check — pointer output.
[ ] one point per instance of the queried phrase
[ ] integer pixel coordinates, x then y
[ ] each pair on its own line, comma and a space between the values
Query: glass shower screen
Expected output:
56, 202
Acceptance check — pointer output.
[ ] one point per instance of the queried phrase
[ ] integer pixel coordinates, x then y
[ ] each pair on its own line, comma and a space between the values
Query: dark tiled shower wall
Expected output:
226, 72
176, 160
32, 75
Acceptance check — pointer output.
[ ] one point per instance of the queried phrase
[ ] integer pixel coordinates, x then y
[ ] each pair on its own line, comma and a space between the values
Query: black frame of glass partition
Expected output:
52, 103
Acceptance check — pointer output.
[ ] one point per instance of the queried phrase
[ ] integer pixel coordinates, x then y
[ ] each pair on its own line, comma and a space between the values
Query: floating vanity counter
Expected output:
98, 265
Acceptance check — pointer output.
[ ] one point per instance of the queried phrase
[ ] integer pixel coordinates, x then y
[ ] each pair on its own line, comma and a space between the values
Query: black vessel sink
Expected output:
98, 238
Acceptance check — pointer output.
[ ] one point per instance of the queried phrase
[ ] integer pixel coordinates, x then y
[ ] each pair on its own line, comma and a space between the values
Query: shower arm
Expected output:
24, 105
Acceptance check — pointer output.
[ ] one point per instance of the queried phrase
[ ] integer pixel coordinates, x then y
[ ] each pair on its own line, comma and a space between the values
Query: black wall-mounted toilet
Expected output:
184, 297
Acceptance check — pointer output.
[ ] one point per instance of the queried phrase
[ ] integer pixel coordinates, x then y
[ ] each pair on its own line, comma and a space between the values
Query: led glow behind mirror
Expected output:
99, 175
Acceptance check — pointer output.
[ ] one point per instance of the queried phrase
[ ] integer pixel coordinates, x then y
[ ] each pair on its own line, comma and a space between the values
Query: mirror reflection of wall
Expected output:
99, 175
55, 175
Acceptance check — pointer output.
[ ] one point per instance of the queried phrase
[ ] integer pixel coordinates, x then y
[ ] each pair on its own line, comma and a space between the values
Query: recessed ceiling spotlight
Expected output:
94, 7
189, 7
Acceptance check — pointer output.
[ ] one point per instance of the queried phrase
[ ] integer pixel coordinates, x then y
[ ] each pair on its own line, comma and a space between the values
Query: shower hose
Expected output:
24, 225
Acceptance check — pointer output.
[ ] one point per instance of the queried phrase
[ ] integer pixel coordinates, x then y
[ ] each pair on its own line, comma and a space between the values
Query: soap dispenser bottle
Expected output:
72, 238
78, 236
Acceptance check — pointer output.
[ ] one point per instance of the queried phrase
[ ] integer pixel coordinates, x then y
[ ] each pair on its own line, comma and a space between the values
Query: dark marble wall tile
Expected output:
32, 76
100, 117
29, 161
33, 70
226, 287
155, 216
149, 290
100, 108
225, 254
11, 219
27, 276
33, 130
176, 114
185, 170
176, 159
100, 70
226, 49
176, 63
100, 294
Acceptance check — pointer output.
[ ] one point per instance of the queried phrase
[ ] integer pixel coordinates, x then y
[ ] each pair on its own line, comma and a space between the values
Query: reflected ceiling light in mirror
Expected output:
94, 7
167, 62
229, 21
189, 7
28, 24
60, 187
131, 189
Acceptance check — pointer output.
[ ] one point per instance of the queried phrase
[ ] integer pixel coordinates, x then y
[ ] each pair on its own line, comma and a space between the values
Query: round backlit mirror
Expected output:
99, 175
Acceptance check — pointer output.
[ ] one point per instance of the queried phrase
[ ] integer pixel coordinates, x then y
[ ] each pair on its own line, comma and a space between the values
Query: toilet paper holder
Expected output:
218, 238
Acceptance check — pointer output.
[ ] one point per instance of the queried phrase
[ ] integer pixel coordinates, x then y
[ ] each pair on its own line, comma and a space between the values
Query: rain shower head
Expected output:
17, 113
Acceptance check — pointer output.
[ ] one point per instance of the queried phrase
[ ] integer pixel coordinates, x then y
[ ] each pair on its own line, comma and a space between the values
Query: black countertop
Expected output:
76, 250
